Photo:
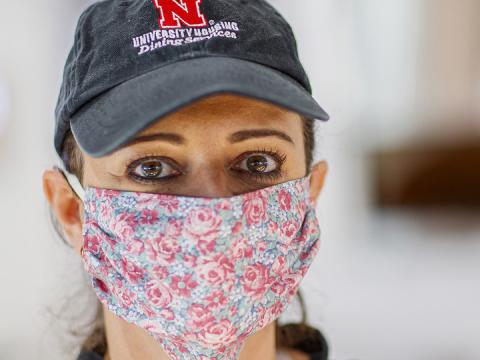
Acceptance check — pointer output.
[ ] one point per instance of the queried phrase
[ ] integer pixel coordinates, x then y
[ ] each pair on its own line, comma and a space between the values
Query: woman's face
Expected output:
220, 146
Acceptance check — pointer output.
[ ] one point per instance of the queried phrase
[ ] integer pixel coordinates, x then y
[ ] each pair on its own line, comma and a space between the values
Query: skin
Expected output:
202, 166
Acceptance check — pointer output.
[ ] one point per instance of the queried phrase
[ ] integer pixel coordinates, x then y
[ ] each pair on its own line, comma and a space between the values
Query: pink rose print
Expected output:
261, 246
255, 280
218, 333
123, 226
180, 343
202, 225
212, 273
300, 187
291, 281
91, 243
278, 265
216, 300
152, 326
270, 314
254, 207
300, 239
103, 269
135, 247
158, 294
301, 208
130, 271
101, 285
262, 314
147, 310
216, 270
148, 217
168, 203
108, 194
160, 272
284, 199
277, 309
232, 311
162, 249
279, 288
272, 227
127, 296
237, 227
144, 198
149, 255
240, 250
167, 314
106, 240
182, 285
173, 228
91, 207
190, 260
228, 284
106, 211
105, 266
223, 205
198, 316
289, 228
206, 247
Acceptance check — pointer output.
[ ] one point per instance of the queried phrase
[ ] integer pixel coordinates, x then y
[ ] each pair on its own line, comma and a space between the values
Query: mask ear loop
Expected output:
308, 178
75, 185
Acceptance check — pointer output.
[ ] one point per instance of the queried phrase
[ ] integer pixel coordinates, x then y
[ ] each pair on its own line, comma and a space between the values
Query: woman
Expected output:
190, 129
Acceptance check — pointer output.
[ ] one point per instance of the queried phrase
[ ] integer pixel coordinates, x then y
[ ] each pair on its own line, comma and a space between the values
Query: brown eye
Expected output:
259, 163
151, 169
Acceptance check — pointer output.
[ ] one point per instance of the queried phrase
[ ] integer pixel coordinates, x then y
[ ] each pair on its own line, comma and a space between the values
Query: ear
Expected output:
319, 172
66, 206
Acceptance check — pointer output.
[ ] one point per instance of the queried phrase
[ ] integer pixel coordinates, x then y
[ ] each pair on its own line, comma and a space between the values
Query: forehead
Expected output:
225, 113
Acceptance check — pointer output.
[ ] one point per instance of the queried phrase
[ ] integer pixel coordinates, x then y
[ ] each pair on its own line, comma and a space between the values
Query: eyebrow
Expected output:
258, 133
172, 138
236, 137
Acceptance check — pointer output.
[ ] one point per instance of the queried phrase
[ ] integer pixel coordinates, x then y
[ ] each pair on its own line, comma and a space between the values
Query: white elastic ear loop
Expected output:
74, 183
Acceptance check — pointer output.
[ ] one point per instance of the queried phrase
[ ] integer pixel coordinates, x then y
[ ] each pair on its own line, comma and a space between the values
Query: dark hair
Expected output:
299, 336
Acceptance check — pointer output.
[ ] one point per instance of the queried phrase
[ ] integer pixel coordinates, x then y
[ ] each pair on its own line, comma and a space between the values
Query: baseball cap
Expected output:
135, 61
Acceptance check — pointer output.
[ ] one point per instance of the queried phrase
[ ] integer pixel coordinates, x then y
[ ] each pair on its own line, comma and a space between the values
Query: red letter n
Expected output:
172, 12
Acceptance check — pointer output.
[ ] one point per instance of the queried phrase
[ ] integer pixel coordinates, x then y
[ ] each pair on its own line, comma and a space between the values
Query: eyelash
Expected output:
279, 157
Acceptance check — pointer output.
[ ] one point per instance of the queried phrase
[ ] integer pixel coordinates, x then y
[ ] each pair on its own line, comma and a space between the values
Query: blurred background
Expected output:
398, 272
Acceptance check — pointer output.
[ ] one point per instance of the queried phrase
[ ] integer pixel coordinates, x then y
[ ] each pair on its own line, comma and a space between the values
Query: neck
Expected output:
127, 341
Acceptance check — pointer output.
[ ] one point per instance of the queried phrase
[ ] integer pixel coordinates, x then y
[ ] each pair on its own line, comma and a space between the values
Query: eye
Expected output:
151, 169
264, 163
259, 163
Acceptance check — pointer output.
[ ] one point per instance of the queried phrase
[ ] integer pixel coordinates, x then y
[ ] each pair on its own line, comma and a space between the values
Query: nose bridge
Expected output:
210, 182
208, 177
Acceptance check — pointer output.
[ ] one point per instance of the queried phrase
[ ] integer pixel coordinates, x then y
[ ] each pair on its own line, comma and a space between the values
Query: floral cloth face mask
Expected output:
200, 274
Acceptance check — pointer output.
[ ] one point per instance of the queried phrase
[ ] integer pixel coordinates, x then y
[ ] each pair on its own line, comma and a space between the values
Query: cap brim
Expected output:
116, 116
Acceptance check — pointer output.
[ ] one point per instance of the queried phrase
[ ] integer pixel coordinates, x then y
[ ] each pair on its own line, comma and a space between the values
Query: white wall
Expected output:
384, 286
34, 265
391, 285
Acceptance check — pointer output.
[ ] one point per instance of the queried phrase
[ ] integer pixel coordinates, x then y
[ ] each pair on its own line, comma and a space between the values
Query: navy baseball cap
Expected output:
135, 61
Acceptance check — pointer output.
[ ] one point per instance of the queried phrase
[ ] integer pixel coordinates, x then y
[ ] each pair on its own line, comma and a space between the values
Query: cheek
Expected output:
297, 156
102, 172
295, 166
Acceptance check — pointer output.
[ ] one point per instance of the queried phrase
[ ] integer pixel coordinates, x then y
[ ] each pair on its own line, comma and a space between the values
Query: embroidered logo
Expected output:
158, 39
174, 13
